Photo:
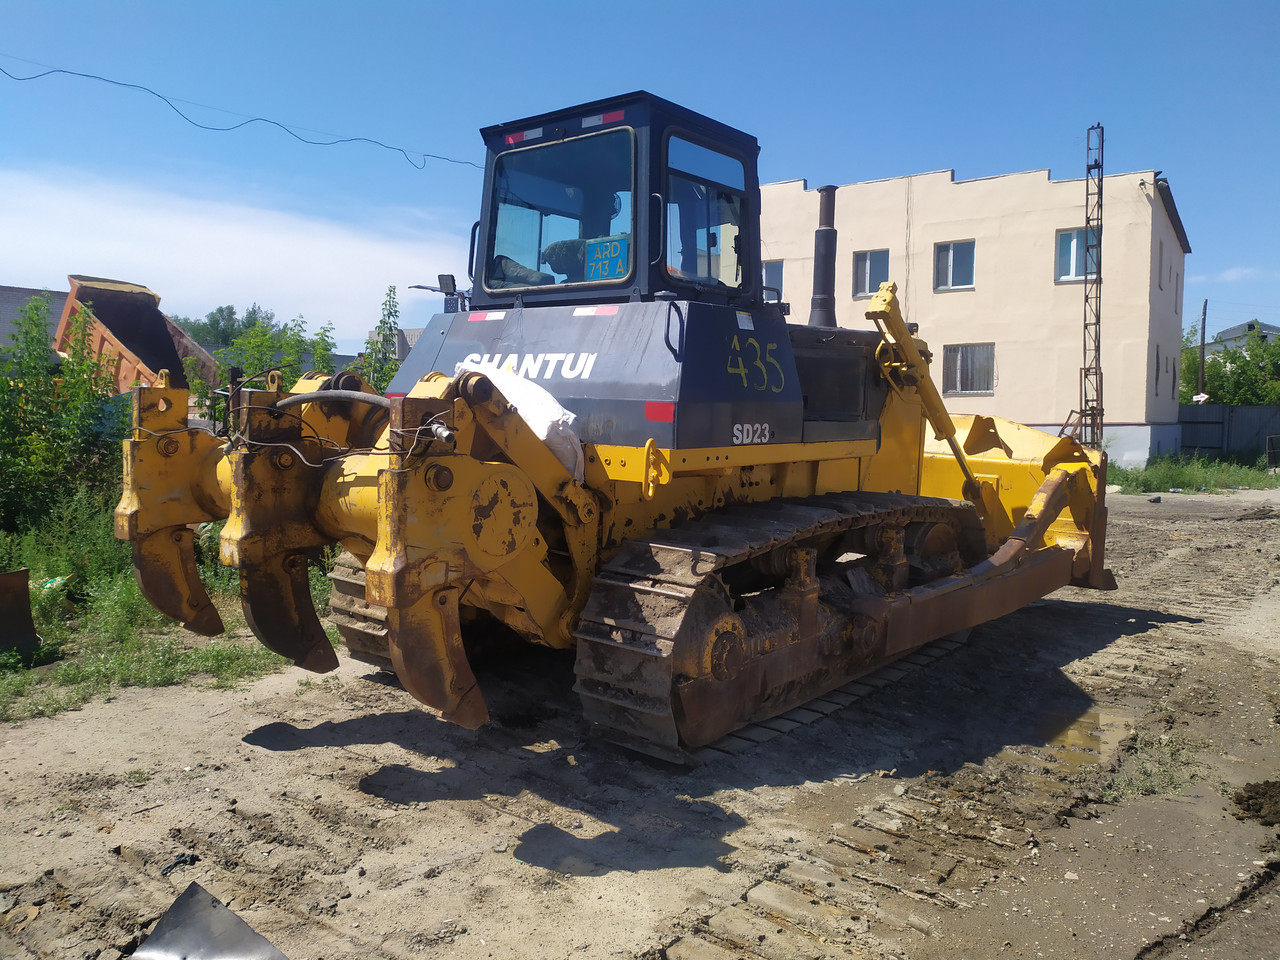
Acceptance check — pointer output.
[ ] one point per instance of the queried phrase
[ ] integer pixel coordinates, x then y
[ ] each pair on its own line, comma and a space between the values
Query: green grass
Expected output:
94, 666
1192, 474
100, 634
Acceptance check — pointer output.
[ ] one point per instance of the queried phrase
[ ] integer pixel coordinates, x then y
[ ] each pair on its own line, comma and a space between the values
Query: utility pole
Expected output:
1204, 313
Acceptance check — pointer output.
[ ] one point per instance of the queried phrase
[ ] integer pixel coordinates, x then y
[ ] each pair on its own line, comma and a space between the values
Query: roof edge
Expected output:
1171, 210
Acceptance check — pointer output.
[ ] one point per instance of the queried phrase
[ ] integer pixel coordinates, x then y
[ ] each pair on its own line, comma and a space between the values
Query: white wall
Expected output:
1035, 323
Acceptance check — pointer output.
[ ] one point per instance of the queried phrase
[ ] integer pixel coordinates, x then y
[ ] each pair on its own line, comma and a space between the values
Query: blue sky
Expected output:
107, 181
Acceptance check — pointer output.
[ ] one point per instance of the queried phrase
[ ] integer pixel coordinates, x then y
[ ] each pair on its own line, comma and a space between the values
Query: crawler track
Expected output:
362, 625
665, 591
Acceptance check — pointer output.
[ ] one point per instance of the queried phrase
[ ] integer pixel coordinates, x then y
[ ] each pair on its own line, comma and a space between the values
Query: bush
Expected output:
59, 425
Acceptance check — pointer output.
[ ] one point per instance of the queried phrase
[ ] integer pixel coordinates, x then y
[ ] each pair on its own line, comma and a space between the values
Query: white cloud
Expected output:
1231, 275
198, 254
1235, 274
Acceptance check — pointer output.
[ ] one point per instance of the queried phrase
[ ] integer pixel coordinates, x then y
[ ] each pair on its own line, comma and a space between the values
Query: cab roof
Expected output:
495, 135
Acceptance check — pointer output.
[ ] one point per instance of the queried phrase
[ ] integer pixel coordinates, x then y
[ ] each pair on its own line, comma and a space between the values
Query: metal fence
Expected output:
1216, 428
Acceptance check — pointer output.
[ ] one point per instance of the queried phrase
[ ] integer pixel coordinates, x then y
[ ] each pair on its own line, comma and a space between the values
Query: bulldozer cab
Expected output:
620, 199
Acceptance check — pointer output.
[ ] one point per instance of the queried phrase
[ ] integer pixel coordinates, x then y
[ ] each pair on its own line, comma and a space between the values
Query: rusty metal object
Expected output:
164, 563
170, 483
19, 630
269, 535
426, 649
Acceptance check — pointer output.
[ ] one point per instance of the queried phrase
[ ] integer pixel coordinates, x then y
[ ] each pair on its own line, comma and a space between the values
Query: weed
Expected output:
216, 578
14, 685
308, 684
69, 805
71, 546
117, 609
229, 662
137, 777
1151, 764
318, 577
1191, 473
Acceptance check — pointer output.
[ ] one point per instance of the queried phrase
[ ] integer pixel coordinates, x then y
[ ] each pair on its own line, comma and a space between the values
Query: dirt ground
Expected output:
1060, 785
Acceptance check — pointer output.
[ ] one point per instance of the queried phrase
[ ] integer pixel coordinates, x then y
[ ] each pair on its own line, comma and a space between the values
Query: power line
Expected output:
172, 104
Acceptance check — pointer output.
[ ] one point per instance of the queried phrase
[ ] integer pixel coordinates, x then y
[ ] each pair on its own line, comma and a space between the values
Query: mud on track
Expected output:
1059, 785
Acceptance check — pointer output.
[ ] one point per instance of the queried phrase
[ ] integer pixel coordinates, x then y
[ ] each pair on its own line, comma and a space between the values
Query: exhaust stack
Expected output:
822, 310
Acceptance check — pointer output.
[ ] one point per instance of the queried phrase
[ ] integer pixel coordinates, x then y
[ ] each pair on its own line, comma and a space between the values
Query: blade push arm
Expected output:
903, 365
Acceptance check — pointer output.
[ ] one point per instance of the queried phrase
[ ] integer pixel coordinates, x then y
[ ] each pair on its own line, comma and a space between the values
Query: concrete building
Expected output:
993, 271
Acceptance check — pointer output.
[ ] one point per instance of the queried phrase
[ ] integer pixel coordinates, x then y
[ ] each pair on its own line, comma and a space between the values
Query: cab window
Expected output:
705, 199
563, 213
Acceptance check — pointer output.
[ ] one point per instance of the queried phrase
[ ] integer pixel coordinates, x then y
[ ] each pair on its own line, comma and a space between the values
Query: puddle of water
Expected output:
1079, 740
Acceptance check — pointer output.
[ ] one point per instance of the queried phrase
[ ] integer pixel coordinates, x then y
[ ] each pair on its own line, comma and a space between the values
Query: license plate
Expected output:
607, 259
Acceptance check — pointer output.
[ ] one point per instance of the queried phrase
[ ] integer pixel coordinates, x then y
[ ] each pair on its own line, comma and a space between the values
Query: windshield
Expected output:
705, 191
563, 213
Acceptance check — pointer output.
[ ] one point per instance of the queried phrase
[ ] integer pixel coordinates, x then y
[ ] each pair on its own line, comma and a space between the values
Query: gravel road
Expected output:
1062, 784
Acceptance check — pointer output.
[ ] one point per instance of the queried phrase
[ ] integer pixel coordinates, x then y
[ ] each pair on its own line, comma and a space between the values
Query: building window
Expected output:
773, 278
968, 369
870, 269
1160, 267
953, 265
1177, 293
1072, 256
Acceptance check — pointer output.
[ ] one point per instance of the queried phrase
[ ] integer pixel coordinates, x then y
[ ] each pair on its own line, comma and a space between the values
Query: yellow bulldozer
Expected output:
620, 445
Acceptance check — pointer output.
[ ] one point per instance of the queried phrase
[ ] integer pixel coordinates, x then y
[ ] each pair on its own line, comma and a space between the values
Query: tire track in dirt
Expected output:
886, 879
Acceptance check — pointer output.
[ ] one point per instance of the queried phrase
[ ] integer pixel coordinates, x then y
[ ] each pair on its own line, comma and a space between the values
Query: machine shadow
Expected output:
1005, 688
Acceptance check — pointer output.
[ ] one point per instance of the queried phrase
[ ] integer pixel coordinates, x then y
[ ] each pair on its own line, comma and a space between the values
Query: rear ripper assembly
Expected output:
747, 514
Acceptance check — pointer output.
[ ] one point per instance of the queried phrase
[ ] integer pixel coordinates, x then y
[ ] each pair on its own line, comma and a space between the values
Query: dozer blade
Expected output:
164, 563
275, 594
18, 631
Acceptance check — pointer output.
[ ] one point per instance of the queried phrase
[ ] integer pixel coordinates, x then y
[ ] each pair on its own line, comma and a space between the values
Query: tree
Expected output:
221, 327
1189, 366
261, 346
1242, 375
379, 362
59, 426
